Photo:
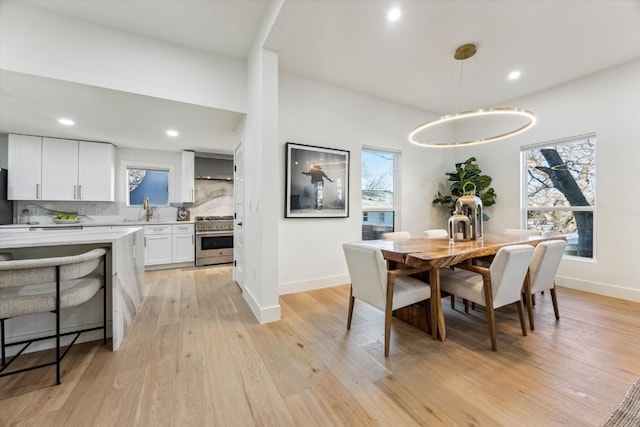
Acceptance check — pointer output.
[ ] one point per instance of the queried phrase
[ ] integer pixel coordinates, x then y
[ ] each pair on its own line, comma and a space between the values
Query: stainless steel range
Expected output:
214, 240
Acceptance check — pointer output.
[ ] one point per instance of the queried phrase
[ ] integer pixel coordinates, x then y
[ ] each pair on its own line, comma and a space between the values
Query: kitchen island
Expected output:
125, 274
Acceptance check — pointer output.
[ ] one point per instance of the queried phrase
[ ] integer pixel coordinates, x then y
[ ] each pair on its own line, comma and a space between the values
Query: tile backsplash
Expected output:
213, 197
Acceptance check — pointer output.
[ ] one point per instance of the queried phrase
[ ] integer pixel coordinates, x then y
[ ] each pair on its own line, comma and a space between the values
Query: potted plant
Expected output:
465, 173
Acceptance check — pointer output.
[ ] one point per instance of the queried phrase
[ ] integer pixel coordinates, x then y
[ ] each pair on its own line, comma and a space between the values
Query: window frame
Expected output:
395, 209
162, 167
524, 190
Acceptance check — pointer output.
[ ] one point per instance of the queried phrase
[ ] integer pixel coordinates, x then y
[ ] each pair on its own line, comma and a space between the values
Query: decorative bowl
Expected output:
66, 221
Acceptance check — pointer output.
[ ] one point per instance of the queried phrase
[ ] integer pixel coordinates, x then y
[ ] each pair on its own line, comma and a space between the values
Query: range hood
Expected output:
213, 169
214, 178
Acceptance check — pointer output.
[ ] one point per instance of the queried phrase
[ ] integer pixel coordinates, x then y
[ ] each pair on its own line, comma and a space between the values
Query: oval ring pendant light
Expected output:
464, 52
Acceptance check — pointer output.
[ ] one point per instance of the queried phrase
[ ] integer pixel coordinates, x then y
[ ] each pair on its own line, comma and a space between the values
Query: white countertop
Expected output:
23, 238
95, 222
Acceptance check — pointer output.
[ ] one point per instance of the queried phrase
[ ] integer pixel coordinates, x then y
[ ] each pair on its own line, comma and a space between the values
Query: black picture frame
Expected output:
317, 182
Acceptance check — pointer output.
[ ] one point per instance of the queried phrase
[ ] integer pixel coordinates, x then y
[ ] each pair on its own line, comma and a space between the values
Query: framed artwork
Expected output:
183, 214
317, 182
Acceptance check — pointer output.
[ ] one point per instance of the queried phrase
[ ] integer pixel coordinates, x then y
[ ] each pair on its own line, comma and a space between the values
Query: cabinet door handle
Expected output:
37, 191
80, 192
193, 239
75, 192
193, 197
145, 242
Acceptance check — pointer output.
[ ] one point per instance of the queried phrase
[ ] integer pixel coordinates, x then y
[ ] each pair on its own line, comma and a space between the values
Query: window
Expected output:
560, 191
379, 192
150, 183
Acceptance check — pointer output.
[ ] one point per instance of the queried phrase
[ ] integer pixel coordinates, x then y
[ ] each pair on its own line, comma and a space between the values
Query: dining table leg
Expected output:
437, 316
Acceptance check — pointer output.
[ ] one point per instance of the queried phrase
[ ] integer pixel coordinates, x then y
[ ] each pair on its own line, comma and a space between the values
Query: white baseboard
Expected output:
599, 288
263, 314
310, 285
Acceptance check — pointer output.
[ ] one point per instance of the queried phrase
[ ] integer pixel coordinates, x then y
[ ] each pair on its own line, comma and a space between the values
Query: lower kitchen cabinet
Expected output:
169, 244
183, 243
158, 244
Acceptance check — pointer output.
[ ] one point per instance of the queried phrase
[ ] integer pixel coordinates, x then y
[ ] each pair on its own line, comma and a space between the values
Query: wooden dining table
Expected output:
430, 255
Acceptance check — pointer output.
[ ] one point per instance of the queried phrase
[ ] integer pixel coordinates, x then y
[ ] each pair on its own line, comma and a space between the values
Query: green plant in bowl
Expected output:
66, 216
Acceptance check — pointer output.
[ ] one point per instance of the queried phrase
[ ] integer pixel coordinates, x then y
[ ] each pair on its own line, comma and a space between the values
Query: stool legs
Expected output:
4, 355
57, 324
104, 298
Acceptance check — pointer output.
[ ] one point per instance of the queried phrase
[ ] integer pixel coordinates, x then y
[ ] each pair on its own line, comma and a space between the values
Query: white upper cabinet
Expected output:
96, 171
60, 169
188, 176
25, 168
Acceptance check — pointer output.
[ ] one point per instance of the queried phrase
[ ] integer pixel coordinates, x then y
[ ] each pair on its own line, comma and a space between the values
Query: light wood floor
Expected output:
195, 356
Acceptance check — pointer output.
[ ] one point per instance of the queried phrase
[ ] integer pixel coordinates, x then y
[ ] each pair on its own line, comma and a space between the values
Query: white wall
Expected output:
309, 250
607, 103
65, 48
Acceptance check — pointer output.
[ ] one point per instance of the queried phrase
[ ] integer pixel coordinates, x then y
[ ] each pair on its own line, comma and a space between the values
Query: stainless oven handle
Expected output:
214, 233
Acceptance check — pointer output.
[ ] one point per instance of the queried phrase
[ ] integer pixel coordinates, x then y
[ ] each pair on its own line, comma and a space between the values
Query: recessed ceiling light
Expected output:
514, 75
172, 133
66, 122
394, 14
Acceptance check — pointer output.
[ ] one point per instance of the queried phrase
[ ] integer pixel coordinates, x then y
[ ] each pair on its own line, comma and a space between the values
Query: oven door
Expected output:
214, 247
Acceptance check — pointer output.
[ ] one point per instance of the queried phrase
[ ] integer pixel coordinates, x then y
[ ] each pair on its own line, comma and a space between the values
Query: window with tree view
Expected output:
560, 191
378, 192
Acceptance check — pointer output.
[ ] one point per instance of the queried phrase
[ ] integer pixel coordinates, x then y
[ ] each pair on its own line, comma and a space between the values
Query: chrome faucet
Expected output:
147, 208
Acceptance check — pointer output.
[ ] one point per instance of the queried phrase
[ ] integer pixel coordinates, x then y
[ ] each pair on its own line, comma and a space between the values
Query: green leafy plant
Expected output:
467, 172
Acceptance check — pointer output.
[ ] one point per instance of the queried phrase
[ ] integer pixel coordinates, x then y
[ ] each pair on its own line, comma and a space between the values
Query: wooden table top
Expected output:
436, 253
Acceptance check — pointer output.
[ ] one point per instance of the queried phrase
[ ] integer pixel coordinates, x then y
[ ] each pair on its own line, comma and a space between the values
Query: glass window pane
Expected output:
377, 180
562, 174
376, 223
576, 226
153, 184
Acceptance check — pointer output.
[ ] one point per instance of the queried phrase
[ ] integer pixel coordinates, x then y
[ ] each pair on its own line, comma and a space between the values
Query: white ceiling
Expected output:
346, 43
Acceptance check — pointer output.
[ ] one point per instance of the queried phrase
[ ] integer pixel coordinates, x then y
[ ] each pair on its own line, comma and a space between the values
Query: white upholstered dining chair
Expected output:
438, 233
493, 287
41, 285
384, 289
396, 235
542, 273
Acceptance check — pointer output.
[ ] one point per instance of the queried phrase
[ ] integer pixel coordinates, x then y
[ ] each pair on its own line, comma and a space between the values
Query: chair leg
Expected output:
387, 331
523, 326
350, 313
453, 302
554, 298
466, 306
491, 317
473, 306
529, 299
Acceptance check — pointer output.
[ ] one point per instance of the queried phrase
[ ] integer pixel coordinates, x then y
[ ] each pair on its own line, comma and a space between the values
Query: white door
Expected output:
238, 235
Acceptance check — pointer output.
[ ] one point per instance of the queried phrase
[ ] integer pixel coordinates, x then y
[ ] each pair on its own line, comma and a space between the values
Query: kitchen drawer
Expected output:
183, 229
157, 229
